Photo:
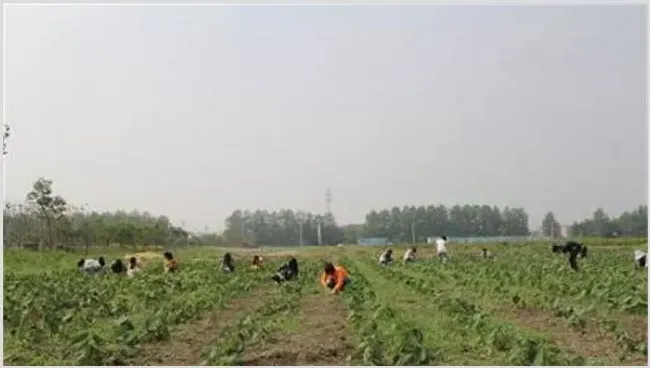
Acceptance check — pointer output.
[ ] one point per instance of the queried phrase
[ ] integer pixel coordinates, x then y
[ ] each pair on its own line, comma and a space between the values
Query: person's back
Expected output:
640, 258
287, 271
257, 262
227, 264
172, 264
441, 247
386, 257
409, 255
91, 266
134, 267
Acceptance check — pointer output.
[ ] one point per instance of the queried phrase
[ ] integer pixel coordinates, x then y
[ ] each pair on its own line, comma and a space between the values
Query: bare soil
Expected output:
189, 340
322, 339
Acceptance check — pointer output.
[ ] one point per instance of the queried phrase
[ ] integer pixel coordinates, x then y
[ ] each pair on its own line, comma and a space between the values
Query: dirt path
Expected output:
188, 341
322, 339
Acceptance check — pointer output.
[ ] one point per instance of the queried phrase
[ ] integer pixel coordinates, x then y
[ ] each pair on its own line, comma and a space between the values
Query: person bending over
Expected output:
486, 254
118, 267
227, 263
640, 258
335, 277
386, 257
410, 255
134, 267
172, 264
286, 272
257, 262
91, 266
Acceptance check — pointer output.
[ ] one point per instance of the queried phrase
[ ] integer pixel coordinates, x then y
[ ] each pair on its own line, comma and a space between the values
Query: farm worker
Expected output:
91, 266
410, 255
441, 248
335, 277
171, 265
227, 264
134, 267
257, 262
640, 258
386, 257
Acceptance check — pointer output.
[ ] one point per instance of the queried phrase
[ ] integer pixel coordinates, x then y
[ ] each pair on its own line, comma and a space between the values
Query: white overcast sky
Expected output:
193, 112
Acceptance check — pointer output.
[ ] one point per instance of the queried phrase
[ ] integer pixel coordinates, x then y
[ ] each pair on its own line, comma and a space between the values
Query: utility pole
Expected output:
553, 229
328, 200
300, 217
242, 231
320, 235
413, 232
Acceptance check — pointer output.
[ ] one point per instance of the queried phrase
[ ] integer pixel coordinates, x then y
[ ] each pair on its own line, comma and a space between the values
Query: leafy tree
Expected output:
550, 227
51, 207
467, 220
629, 223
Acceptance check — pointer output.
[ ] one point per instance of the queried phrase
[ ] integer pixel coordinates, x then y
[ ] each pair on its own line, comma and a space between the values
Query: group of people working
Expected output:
333, 277
91, 266
386, 257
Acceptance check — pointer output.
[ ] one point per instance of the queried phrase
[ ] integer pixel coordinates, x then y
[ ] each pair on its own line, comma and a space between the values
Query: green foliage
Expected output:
475, 220
386, 337
72, 319
281, 228
629, 223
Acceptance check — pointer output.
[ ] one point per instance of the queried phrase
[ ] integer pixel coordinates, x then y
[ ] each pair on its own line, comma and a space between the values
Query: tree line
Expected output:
282, 227
46, 220
411, 223
630, 223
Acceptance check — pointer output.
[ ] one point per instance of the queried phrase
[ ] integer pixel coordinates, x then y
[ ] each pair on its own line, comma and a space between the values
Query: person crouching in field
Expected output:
171, 265
441, 248
486, 254
118, 267
286, 272
386, 257
640, 258
410, 255
257, 262
335, 277
91, 266
134, 267
227, 264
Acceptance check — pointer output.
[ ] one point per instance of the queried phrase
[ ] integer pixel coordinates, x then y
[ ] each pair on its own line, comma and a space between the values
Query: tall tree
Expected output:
550, 227
51, 207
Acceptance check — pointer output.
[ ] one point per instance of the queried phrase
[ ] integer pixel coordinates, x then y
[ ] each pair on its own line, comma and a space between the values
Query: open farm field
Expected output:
524, 307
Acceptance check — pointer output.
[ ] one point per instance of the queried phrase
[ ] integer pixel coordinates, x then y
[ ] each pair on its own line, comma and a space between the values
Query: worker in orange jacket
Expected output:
335, 277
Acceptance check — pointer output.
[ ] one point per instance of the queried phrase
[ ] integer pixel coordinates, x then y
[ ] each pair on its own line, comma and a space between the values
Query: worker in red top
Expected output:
335, 277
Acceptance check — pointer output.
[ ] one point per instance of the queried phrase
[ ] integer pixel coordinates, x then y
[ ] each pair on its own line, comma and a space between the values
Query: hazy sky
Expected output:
194, 112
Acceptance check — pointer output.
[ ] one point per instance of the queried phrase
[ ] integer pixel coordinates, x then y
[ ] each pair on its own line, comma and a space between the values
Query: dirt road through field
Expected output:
189, 340
322, 336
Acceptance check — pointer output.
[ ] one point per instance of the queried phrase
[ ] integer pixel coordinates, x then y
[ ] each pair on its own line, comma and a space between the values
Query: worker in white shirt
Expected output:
386, 257
91, 266
441, 248
410, 255
640, 258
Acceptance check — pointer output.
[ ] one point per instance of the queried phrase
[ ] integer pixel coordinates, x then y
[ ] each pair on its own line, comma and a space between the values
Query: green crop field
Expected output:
524, 307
